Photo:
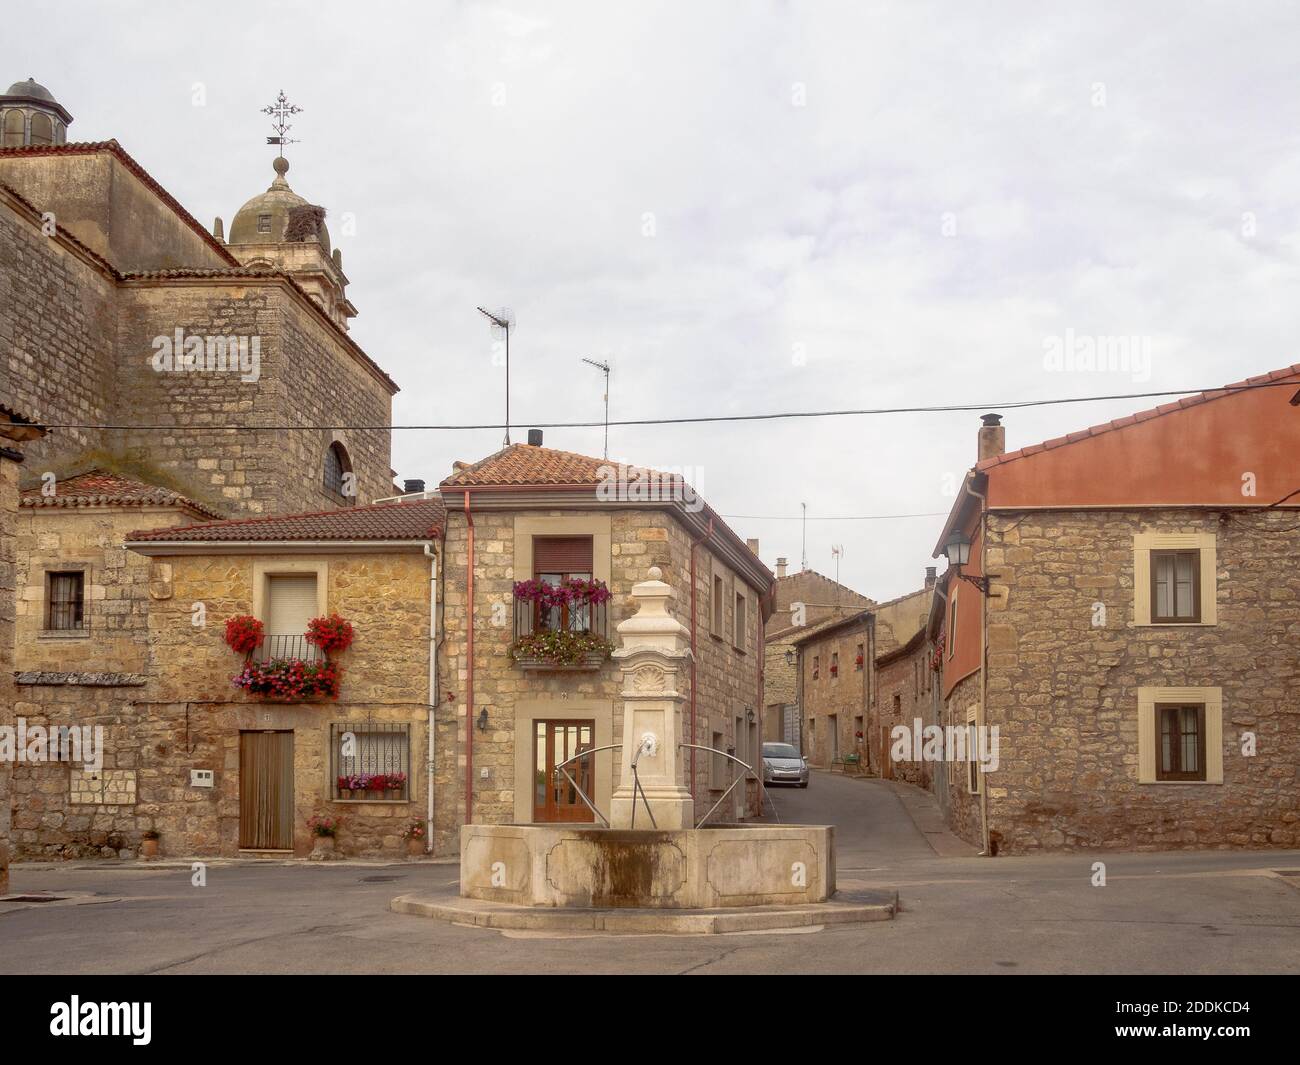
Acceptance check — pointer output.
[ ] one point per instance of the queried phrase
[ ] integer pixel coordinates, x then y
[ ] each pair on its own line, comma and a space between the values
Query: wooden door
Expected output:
554, 798
266, 790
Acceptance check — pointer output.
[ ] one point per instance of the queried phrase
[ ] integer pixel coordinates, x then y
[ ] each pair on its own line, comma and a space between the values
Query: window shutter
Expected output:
291, 604
562, 554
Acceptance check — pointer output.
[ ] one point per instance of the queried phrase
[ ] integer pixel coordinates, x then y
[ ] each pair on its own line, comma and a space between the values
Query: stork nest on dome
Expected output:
304, 222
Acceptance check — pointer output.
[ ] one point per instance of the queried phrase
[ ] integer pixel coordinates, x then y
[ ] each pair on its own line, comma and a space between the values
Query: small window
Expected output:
557, 559
817, 666
291, 602
370, 761
898, 705
738, 637
1176, 587
1180, 754
835, 663
65, 601
859, 658
338, 478
718, 605
14, 129
264, 223
952, 624
718, 765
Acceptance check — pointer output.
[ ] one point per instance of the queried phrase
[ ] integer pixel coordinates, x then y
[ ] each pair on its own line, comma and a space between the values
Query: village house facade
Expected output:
1136, 649
803, 601
858, 678
530, 513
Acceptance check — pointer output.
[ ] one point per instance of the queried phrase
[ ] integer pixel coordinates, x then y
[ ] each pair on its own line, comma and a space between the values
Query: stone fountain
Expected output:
649, 855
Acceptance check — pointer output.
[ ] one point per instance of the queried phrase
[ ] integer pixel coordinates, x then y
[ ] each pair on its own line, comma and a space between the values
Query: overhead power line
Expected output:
708, 418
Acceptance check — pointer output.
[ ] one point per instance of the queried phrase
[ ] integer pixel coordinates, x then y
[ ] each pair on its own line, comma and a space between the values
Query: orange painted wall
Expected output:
1194, 455
969, 650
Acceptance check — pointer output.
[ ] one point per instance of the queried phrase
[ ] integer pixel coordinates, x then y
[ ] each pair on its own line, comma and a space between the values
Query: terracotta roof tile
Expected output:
1142, 416
420, 519
523, 464
99, 488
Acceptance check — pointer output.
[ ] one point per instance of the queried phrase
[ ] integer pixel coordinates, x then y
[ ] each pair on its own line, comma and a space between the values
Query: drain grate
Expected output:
379, 879
35, 898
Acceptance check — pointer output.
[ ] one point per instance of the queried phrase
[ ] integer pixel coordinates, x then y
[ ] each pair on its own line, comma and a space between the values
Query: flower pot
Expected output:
148, 848
414, 847
322, 847
394, 793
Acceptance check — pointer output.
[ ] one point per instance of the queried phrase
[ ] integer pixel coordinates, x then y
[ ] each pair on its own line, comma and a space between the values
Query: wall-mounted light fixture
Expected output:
482, 720
790, 656
957, 550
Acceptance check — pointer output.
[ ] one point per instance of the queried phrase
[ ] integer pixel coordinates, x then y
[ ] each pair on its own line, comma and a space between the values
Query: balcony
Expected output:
568, 637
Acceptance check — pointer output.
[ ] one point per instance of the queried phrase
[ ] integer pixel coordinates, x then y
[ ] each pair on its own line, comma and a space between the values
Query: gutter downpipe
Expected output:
984, 654
695, 735
434, 643
469, 666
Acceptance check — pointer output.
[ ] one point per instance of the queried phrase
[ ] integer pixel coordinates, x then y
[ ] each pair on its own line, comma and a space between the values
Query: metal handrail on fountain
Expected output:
644, 746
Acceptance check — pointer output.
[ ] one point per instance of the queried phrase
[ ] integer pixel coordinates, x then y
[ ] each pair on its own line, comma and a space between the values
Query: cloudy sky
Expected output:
748, 207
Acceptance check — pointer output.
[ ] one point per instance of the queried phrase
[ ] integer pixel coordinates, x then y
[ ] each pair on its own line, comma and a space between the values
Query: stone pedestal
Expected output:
654, 647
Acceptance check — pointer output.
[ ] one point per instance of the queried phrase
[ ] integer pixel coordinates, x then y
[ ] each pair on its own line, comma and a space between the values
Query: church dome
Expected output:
31, 88
264, 218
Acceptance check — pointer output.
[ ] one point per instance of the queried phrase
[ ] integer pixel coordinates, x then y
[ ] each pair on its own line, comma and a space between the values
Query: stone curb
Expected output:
138, 864
501, 916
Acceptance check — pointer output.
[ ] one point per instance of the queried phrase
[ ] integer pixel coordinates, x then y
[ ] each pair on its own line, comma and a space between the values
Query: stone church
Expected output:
119, 310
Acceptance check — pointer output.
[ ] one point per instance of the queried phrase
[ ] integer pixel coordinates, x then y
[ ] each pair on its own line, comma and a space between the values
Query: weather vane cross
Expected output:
280, 112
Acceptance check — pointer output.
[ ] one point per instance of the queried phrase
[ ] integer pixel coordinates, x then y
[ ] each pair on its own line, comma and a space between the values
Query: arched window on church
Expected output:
337, 468
13, 129
42, 128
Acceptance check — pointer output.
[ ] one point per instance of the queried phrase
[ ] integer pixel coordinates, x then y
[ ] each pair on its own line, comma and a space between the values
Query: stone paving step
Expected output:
861, 906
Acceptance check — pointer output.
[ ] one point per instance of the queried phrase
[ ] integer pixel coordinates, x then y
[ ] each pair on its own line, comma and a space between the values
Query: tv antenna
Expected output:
837, 551
803, 554
604, 367
503, 324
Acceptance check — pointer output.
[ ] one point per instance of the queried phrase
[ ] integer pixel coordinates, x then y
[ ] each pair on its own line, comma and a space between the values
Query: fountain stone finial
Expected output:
654, 646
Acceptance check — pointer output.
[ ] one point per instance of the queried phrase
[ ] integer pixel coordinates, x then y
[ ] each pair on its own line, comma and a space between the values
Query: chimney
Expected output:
752, 545
219, 230
534, 438
410, 486
930, 572
993, 436
780, 568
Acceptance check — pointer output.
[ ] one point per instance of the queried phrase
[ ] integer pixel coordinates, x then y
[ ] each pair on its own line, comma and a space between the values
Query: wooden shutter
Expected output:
562, 554
291, 603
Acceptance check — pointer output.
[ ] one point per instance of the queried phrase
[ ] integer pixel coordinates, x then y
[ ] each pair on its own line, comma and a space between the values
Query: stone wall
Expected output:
189, 716
843, 697
963, 806
56, 330
116, 613
306, 377
903, 686
1063, 688
8, 523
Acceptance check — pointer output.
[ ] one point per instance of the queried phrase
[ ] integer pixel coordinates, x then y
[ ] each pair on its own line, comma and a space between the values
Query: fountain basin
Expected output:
584, 866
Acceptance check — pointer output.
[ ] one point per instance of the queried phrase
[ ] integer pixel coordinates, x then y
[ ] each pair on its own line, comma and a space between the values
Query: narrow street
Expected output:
1206, 912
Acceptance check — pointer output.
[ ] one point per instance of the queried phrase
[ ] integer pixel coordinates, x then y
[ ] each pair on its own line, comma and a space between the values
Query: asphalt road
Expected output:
1210, 912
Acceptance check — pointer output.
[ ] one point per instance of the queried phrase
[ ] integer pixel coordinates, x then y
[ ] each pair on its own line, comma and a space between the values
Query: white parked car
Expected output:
782, 764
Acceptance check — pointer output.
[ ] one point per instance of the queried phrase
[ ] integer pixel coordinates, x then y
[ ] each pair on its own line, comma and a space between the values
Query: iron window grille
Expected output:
65, 601
531, 617
361, 752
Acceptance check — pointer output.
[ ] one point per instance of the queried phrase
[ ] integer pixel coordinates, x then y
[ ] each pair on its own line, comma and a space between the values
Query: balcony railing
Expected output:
588, 619
288, 645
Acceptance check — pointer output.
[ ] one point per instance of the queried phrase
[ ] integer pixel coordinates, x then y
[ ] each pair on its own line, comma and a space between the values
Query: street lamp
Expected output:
789, 656
957, 550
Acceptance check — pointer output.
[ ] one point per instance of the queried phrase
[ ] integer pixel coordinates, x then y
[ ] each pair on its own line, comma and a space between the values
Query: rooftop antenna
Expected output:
803, 561
280, 112
603, 366
837, 550
503, 323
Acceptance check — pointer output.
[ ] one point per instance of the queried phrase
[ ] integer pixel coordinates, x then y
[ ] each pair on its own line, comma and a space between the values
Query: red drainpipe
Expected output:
469, 670
694, 734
